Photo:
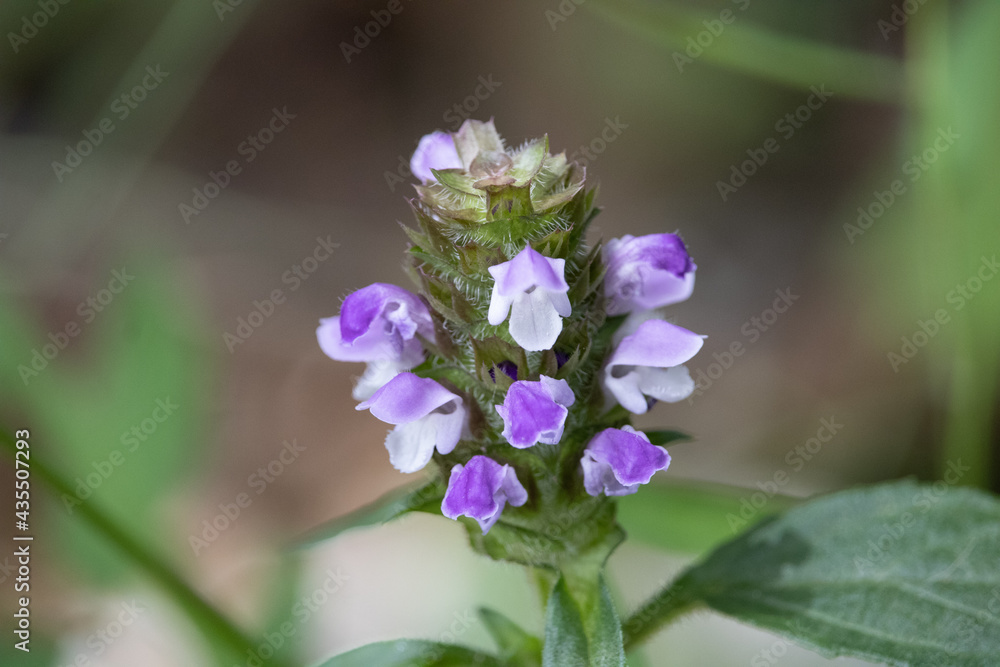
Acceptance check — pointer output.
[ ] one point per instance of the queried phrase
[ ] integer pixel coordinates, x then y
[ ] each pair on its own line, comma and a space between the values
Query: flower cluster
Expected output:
518, 363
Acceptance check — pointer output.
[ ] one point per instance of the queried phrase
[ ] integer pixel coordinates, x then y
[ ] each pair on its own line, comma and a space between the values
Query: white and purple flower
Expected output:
617, 461
480, 489
378, 324
435, 151
648, 363
646, 272
534, 412
533, 289
426, 415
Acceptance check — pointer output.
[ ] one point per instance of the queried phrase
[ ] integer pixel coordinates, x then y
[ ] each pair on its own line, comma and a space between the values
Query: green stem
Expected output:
208, 619
666, 607
543, 579
768, 55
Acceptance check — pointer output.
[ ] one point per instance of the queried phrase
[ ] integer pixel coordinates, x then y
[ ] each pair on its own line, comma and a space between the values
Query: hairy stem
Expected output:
667, 606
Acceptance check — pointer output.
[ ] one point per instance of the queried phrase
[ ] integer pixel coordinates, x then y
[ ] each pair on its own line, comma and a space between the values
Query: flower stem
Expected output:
544, 580
667, 606
217, 628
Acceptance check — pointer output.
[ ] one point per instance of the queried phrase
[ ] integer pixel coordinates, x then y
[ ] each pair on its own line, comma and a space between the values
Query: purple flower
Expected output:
479, 490
377, 324
435, 151
535, 412
426, 416
617, 461
533, 289
646, 272
647, 363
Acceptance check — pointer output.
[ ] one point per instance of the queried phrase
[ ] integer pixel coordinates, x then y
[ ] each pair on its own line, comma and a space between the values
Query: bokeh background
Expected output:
614, 82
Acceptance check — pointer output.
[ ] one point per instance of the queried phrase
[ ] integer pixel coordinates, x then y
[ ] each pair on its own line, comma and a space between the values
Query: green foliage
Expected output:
132, 361
902, 573
565, 638
426, 498
411, 653
516, 646
582, 634
693, 517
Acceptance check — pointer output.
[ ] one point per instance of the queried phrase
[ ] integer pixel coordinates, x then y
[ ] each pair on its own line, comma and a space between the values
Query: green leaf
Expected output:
605, 631
528, 161
565, 639
693, 517
426, 498
411, 653
900, 573
516, 646
663, 438
122, 406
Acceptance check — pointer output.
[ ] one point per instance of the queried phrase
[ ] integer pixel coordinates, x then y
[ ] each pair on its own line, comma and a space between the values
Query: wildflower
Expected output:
426, 415
532, 288
535, 412
377, 324
617, 461
435, 151
480, 489
646, 272
648, 363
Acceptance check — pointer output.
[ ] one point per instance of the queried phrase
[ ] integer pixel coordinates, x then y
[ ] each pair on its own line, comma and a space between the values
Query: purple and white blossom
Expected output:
534, 412
426, 415
646, 272
533, 289
435, 151
480, 489
648, 363
378, 324
617, 461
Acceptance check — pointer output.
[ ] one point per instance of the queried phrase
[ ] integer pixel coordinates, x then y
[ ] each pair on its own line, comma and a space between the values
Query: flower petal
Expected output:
646, 272
366, 307
330, 341
622, 382
407, 398
528, 269
532, 413
380, 371
534, 322
434, 151
411, 445
670, 384
480, 489
617, 461
657, 343
499, 305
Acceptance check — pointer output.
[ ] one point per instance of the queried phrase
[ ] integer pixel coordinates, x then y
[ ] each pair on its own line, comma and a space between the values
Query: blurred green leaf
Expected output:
122, 403
411, 653
225, 639
605, 631
516, 646
426, 498
44, 651
766, 54
694, 517
663, 438
565, 638
955, 91
899, 573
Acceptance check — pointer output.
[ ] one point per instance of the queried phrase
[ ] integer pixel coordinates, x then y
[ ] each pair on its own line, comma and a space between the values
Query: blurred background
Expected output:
188, 186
